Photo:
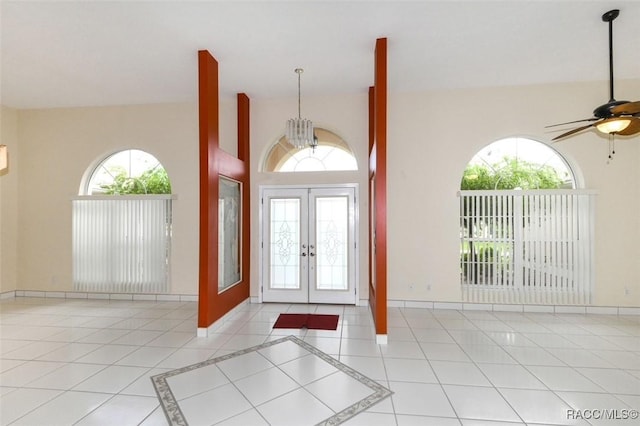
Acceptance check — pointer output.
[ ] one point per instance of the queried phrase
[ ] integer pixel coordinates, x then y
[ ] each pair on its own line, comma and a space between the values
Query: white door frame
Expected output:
356, 231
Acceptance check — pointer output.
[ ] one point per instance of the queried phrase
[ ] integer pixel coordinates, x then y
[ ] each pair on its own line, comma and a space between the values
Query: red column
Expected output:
209, 178
378, 188
215, 163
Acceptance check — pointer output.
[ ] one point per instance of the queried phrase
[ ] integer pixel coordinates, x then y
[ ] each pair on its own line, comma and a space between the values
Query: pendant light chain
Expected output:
299, 71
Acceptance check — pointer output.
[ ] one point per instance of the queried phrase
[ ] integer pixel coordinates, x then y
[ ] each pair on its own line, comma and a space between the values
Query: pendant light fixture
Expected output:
299, 130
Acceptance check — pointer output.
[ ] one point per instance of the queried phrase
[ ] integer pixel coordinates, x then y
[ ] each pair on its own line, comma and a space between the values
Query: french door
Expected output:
308, 245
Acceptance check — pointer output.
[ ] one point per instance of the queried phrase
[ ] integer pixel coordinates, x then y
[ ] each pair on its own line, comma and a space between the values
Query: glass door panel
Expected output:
285, 232
332, 241
332, 245
285, 243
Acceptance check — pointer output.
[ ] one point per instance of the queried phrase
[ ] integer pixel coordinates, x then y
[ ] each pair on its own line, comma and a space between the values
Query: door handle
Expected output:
304, 254
312, 254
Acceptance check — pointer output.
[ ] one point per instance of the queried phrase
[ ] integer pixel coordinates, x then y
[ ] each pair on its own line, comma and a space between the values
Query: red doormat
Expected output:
310, 321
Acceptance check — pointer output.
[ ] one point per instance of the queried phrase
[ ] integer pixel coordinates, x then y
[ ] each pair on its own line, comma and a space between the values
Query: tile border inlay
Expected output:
175, 416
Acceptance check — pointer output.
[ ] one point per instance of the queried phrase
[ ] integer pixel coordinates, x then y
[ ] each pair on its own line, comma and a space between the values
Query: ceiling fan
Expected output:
614, 117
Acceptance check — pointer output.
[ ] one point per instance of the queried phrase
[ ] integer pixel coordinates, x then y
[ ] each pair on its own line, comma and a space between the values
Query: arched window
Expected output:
331, 154
122, 226
517, 163
129, 172
526, 232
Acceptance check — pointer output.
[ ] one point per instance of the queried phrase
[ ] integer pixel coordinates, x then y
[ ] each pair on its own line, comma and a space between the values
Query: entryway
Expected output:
308, 244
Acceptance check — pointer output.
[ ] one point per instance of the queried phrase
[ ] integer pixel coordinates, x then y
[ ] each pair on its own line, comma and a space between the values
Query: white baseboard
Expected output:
100, 296
8, 295
499, 307
461, 306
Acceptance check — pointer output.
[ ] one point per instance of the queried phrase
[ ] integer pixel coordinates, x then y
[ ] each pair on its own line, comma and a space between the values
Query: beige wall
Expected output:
9, 202
431, 138
58, 146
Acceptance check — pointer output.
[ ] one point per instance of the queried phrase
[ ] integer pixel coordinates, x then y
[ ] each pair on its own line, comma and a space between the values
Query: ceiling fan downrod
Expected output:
609, 17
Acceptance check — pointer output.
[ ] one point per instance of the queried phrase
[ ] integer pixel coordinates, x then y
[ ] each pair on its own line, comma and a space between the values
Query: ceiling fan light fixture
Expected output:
299, 132
613, 125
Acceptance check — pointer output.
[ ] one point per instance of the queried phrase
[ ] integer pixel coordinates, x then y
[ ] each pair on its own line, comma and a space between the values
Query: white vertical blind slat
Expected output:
542, 246
121, 245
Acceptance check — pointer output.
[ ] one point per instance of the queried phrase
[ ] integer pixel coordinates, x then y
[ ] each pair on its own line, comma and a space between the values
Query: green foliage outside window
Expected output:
510, 173
152, 181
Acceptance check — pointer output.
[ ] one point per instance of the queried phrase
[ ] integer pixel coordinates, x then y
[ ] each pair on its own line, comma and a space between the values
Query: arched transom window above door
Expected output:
331, 154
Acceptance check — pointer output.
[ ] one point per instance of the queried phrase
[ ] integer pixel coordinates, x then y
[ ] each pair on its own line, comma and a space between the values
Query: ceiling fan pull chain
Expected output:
612, 146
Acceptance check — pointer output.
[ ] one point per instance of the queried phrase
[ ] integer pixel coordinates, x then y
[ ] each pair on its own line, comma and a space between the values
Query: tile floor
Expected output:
257, 382
90, 362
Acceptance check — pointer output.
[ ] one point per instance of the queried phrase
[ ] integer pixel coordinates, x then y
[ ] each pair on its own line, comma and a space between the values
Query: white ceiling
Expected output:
79, 53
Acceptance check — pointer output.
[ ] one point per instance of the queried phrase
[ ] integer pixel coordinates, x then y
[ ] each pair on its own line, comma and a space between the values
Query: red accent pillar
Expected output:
209, 181
244, 156
214, 163
378, 188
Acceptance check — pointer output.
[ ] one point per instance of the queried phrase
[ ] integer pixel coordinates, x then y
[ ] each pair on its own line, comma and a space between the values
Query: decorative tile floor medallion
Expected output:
270, 355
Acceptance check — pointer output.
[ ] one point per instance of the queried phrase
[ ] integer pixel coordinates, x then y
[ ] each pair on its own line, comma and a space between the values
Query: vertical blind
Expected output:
527, 246
122, 244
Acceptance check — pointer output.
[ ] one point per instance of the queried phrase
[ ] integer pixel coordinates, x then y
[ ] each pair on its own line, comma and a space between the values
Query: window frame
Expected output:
282, 151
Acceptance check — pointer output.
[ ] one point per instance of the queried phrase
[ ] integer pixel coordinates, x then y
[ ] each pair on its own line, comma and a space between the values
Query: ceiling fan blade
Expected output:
572, 122
632, 128
571, 132
626, 109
